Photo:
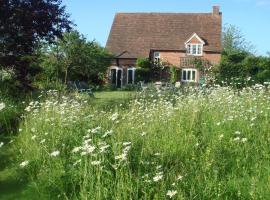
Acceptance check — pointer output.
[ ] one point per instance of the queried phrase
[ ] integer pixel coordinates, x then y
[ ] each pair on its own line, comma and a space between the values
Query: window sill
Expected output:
196, 55
188, 81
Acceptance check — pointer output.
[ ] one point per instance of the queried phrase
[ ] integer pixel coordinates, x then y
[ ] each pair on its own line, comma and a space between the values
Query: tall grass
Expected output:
9, 116
200, 144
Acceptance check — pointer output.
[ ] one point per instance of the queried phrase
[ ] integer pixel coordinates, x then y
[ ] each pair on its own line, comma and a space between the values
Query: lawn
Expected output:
200, 144
109, 99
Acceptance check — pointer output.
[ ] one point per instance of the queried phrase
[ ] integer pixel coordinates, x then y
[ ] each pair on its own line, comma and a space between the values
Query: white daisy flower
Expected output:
33, 137
157, 177
96, 162
76, 149
171, 193
179, 178
42, 141
55, 153
24, 164
2, 106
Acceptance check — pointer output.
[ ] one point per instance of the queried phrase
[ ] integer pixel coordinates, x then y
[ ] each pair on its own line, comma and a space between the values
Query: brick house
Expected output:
175, 38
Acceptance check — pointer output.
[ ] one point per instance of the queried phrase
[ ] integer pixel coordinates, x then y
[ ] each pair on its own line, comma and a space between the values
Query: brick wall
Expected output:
173, 57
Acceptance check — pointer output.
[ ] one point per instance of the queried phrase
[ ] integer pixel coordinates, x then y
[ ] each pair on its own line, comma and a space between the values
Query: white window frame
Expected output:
191, 70
190, 47
156, 58
117, 68
133, 69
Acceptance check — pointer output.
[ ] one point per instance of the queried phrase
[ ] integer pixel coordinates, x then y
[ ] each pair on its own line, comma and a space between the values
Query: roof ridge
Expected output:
117, 13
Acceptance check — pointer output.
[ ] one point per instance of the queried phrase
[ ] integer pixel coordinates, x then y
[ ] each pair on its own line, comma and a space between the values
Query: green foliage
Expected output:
109, 87
231, 65
196, 143
238, 64
241, 65
74, 58
10, 111
23, 24
198, 64
9, 85
173, 72
233, 40
143, 74
143, 63
130, 87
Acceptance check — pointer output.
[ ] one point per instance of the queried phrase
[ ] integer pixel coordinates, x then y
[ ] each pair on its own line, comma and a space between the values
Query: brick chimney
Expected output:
216, 10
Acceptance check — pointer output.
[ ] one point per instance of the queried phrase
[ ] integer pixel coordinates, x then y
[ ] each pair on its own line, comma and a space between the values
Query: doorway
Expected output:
116, 76
119, 78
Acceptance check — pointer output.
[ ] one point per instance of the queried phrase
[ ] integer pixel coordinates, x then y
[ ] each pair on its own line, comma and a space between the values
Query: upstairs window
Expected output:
194, 45
194, 49
156, 56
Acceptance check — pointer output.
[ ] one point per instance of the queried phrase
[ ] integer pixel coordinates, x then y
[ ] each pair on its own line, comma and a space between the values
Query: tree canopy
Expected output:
23, 24
238, 59
74, 58
233, 40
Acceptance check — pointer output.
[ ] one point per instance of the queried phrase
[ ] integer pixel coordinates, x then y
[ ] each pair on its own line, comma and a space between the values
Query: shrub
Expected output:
173, 72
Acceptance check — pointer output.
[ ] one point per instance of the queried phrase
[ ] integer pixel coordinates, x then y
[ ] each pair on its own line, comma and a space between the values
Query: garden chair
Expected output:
82, 87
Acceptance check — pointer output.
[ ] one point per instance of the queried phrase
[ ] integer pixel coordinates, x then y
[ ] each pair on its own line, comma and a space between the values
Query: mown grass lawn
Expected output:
109, 99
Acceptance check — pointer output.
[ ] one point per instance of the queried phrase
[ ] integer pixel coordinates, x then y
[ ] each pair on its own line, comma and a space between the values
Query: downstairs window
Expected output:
189, 75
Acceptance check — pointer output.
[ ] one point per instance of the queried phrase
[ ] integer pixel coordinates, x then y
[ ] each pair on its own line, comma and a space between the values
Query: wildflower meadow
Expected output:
193, 143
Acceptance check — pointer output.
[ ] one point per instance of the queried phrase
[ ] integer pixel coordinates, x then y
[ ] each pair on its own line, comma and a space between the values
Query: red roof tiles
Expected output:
137, 33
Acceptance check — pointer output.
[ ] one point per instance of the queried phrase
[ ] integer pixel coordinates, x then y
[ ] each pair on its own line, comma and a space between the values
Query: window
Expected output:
113, 76
116, 76
131, 75
189, 75
156, 56
194, 49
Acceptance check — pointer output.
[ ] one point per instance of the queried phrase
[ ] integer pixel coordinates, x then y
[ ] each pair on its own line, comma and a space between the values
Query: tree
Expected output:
23, 24
74, 58
231, 65
233, 40
236, 50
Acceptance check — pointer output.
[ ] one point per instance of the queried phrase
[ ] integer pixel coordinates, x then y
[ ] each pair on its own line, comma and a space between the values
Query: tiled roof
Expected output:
137, 33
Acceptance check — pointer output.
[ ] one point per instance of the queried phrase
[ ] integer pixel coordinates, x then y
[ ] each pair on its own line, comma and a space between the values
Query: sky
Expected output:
93, 18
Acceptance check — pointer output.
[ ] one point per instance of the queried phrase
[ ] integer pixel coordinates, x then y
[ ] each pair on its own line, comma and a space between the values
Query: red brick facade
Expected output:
176, 36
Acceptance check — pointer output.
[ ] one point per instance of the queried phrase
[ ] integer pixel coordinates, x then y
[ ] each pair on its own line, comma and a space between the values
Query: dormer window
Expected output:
194, 49
194, 45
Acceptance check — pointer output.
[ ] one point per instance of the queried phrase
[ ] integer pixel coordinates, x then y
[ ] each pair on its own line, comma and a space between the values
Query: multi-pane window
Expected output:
131, 75
156, 56
194, 49
189, 75
113, 76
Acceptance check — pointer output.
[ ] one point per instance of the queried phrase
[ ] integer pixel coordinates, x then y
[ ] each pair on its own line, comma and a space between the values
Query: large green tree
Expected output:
23, 24
74, 58
233, 40
238, 60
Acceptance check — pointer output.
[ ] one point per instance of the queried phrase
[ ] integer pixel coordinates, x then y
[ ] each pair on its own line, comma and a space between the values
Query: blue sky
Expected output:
94, 17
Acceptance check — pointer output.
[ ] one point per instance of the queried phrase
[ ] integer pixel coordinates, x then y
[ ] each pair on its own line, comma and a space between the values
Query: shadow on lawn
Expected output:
10, 185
